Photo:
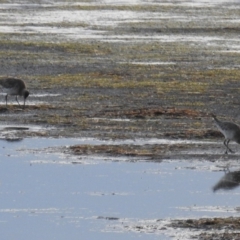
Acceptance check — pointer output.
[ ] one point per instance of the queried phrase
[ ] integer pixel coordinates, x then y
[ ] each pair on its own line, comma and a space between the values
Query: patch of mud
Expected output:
156, 152
209, 223
17, 132
159, 116
33, 105
95, 151
117, 150
3, 110
12, 139
16, 128
151, 112
211, 228
108, 218
142, 151
94, 80
203, 228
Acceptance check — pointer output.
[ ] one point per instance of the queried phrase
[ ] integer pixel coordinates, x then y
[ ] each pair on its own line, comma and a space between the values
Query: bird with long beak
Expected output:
230, 131
15, 87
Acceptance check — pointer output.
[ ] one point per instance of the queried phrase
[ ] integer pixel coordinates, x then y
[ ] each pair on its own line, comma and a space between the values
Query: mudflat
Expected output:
124, 71
146, 70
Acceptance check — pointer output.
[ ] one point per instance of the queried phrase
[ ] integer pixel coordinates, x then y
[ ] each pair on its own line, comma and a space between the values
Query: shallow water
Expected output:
94, 200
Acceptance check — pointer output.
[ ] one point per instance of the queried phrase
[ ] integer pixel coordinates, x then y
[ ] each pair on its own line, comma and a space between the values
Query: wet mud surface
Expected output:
214, 225
211, 228
133, 71
156, 152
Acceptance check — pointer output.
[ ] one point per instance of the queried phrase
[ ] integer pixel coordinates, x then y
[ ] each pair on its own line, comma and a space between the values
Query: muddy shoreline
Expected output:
152, 78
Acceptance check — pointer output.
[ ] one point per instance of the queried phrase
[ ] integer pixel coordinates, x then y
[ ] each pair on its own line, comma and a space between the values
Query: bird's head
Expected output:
26, 94
212, 115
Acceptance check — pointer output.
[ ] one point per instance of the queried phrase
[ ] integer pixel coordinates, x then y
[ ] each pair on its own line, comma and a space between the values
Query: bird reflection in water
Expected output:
229, 181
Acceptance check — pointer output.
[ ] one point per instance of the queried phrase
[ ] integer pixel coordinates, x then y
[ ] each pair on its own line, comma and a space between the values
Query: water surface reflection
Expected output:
229, 181
92, 201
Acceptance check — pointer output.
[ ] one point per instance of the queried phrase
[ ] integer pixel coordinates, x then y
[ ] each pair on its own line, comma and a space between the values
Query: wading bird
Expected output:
230, 130
15, 87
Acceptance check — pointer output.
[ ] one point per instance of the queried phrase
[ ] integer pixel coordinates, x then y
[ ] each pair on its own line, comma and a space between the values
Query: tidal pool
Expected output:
99, 199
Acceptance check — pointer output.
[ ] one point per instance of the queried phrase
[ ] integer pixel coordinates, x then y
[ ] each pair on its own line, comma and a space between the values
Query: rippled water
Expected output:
96, 199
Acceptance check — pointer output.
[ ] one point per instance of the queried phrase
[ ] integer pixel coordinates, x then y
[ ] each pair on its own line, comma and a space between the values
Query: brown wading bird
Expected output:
230, 130
15, 87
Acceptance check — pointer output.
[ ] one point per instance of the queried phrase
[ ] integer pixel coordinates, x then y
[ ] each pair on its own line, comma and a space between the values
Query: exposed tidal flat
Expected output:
136, 80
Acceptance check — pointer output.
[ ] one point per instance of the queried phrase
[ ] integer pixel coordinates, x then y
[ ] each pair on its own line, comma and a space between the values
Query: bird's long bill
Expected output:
24, 103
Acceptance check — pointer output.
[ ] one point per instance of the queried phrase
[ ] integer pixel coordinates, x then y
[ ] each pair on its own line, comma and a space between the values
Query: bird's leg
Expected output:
24, 103
226, 142
229, 147
17, 99
6, 99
